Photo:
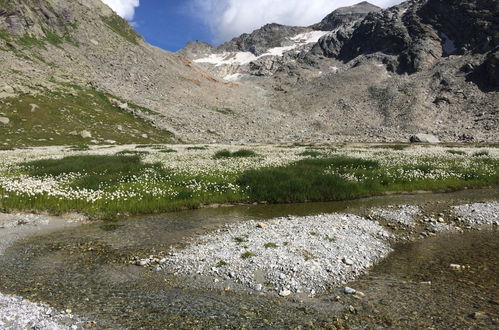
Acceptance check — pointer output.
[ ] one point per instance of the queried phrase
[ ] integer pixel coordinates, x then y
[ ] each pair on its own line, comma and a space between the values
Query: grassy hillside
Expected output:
58, 118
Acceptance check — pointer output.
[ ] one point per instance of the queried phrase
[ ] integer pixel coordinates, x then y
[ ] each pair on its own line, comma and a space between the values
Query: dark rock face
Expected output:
269, 36
419, 32
35, 19
473, 25
345, 15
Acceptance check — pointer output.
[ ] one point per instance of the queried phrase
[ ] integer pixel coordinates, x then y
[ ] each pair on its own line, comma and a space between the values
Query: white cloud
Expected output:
230, 18
124, 8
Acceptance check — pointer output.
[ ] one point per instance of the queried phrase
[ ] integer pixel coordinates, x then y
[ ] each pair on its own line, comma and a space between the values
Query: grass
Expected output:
125, 184
221, 263
109, 226
483, 153
311, 153
98, 171
247, 255
456, 152
81, 147
197, 148
240, 240
168, 151
392, 146
242, 153
121, 27
61, 116
270, 245
331, 179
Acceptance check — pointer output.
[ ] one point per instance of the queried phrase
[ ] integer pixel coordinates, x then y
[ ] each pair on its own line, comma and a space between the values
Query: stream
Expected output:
85, 269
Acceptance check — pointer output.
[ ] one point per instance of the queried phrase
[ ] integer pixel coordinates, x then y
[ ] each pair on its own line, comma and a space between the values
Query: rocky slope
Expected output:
382, 74
362, 74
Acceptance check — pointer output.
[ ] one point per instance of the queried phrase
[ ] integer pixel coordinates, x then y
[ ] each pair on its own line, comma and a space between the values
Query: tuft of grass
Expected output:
391, 146
247, 255
221, 263
132, 153
311, 153
270, 245
109, 226
456, 152
197, 148
242, 153
483, 153
240, 240
97, 171
167, 151
305, 180
81, 147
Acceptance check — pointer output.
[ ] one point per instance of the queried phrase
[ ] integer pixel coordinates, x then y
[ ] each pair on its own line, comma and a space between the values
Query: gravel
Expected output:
402, 214
478, 214
285, 255
18, 313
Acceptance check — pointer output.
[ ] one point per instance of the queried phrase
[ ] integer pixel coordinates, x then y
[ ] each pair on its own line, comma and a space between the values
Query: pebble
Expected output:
347, 261
284, 293
258, 287
349, 290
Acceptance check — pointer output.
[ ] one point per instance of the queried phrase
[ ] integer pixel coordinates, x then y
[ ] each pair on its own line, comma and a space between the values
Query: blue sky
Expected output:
170, 24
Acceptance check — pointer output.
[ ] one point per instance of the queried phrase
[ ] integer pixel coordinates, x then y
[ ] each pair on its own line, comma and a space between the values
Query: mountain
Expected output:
424, 65
361, 74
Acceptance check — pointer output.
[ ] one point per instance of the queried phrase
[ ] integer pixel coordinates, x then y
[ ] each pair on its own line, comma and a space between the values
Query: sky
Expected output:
170, 24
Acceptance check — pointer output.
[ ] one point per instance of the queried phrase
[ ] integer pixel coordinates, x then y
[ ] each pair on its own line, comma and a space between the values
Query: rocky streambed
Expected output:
349, 263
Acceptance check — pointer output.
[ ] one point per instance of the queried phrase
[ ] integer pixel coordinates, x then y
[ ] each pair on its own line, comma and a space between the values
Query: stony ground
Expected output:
286, 255
18, 313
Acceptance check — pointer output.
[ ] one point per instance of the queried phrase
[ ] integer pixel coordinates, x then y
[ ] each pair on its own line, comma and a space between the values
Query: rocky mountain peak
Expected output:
346, 15
260, 40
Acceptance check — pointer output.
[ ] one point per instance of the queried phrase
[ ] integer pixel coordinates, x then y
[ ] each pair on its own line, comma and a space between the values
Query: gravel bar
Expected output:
285, 255
18, 313
478, 214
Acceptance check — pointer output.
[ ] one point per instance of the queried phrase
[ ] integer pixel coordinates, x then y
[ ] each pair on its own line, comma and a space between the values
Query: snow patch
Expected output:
239, 58
449, 45
242, 58
309, 37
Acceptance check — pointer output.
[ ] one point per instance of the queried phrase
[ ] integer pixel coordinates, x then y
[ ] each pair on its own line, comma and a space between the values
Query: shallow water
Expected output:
84, 269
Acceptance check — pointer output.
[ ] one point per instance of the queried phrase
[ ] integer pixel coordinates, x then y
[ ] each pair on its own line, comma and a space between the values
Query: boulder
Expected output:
85, 134
4, 121
424, 138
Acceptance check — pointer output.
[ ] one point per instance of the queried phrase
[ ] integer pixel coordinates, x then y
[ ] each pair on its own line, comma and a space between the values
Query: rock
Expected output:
123, 106
145, 136
478, 315
455, 266
73, 133
4, 121
347, 261
110, 141
261, 225
34, 107
359, 295
349, 290
95, 42
258, 287
8, 89
424, 138
85, 134
284, 293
